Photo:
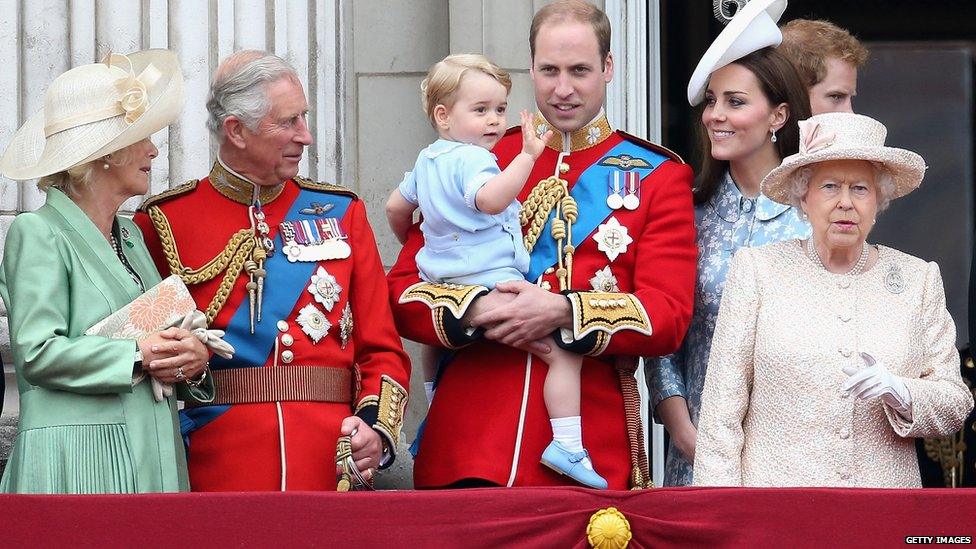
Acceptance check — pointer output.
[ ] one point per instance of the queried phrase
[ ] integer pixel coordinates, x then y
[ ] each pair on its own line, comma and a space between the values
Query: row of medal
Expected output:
313, 241
623, 190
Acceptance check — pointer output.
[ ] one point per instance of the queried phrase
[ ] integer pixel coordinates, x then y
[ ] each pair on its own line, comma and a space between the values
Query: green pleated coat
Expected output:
84, 428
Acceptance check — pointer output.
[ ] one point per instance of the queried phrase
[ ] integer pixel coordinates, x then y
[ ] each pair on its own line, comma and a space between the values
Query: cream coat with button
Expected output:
773, 412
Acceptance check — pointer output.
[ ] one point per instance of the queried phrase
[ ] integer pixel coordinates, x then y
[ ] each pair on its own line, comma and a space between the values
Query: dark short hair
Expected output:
780, 83
573, 10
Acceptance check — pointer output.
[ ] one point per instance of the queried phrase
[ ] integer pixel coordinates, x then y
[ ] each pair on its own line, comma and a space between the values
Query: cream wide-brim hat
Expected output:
97, 109
845, 136
751, 29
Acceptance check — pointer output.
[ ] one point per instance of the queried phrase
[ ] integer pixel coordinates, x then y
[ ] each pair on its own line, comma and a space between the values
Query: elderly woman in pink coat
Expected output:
831, 354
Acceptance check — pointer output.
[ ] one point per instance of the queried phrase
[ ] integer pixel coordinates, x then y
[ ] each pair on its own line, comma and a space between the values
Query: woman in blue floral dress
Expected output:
748, 124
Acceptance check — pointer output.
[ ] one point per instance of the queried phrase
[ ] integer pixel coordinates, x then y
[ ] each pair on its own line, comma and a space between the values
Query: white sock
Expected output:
568, 431
429, 389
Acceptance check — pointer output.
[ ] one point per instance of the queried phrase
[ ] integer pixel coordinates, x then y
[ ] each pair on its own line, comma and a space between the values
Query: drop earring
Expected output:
772, 137
105, 166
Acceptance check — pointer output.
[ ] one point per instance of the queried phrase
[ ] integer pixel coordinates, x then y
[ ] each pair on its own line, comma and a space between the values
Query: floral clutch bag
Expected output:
162, 306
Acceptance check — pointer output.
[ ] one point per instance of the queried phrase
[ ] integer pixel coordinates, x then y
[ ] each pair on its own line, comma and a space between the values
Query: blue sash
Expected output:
283, 286
590, 192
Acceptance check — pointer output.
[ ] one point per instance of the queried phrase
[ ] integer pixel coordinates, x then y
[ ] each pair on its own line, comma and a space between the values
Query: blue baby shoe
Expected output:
564, 462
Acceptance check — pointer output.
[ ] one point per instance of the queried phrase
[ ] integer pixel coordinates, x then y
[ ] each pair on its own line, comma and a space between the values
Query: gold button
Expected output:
550, 270
282, 326
563, 167
287, 340
287, 357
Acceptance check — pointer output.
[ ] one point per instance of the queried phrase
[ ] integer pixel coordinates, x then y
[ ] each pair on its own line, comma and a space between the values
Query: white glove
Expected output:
196, 323
874, 380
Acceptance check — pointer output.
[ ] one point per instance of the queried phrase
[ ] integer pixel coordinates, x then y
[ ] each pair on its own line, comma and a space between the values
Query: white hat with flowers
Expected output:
93, 110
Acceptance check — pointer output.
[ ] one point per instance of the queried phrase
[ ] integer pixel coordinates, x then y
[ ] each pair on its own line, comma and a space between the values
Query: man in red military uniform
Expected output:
289, 268
609, 225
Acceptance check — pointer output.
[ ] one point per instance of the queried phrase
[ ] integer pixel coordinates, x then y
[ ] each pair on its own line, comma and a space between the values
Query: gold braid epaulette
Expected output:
171, 193
548, 194
229, 261
536, 209
307, 183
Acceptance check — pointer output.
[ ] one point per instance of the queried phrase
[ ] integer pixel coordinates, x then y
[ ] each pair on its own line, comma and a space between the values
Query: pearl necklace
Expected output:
858, 267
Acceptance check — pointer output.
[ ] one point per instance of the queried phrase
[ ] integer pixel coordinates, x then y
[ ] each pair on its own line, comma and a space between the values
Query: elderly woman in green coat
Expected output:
86, 425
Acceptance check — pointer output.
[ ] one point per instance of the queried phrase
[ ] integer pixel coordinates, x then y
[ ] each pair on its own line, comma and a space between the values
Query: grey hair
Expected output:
799, 183
76, 179
240, 89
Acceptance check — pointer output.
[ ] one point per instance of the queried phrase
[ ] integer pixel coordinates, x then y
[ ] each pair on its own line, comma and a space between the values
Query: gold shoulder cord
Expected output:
229, 261
552, 192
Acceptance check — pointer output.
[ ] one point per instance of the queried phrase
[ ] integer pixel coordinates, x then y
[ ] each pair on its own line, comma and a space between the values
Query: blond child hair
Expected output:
444, 78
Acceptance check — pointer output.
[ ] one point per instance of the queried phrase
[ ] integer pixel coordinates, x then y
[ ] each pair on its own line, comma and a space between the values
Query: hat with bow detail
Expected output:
845, 136
94, 110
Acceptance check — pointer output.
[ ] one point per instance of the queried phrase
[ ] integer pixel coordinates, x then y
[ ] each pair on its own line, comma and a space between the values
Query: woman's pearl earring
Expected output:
105, 166
772, 138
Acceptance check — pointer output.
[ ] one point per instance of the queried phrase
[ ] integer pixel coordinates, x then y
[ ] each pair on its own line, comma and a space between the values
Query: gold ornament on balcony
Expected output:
608, 529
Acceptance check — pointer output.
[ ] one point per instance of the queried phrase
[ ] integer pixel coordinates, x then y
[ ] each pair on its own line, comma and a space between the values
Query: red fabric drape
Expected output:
491, 517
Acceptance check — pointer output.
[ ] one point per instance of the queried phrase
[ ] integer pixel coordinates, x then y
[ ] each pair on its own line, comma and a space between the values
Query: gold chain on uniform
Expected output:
230, 260
552, 192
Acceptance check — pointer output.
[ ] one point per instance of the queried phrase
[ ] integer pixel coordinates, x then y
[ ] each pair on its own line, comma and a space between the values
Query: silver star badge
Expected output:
604, 281
612, 238
325, 288
345, 326
313, 322
592, 135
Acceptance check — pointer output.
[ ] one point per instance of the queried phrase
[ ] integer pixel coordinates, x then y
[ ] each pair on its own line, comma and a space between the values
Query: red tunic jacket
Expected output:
237, 446
488, 420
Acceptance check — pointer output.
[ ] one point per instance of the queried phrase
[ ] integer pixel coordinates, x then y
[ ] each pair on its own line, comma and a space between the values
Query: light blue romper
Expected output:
461, 244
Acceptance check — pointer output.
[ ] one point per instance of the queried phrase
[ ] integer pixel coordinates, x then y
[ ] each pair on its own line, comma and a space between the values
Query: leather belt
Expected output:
284, 383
